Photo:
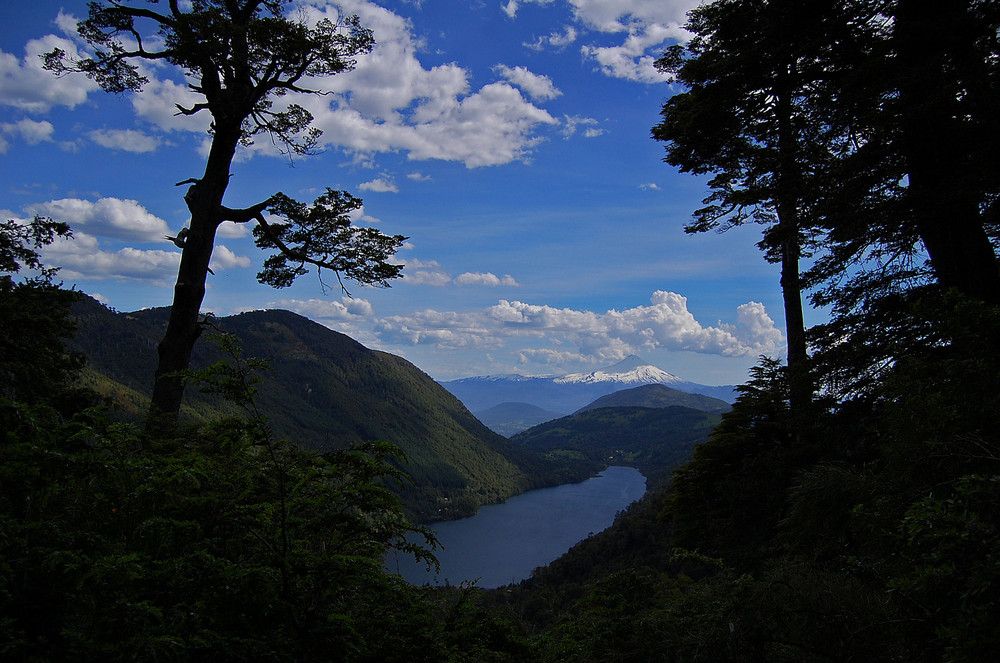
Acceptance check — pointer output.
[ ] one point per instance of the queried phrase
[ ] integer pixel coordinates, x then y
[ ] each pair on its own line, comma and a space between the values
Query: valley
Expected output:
325, 391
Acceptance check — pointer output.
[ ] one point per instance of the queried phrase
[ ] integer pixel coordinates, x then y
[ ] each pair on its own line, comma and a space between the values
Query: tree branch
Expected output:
191, 111
246, 214
274, 239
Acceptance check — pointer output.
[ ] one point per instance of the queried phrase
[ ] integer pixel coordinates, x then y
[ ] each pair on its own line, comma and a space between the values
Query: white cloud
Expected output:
618, 15
665, 324
635, 58
485, 278
649, 186
380, 185
127, 140
555, 40
30, 131
158, 101
513, 5
539, 88
570, 124
425, 272
550, 356
419, 177
224, 258
82, 258
230, 230
447, 329
107, 217
390, 102
346, 310
25, 85
647, 25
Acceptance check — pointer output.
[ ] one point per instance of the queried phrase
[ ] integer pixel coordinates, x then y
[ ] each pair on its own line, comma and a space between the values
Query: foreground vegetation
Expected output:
866, 532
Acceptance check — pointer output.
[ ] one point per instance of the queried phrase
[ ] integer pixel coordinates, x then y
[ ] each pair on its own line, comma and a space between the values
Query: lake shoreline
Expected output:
505, 542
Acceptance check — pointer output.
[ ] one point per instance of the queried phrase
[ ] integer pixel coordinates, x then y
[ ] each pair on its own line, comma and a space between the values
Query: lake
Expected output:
504, 543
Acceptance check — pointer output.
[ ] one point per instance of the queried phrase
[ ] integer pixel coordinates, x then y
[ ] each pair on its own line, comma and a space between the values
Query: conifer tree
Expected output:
746, 118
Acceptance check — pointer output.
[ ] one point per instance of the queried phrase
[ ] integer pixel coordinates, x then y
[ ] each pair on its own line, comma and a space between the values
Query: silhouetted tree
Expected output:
915, 120
34, 314
746, 117
238, 56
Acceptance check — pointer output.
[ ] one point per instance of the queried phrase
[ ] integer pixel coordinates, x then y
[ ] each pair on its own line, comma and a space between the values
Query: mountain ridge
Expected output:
570, 392
657, 396
326, 391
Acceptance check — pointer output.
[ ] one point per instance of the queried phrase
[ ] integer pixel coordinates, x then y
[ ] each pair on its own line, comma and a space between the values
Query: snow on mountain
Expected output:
504, 377
631, 370
569, 393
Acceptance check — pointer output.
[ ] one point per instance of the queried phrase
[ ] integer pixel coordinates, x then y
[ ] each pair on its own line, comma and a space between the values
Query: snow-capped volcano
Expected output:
631, 371
569, 393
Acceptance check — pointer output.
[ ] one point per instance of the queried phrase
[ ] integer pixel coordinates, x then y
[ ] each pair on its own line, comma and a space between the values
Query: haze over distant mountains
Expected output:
569, 393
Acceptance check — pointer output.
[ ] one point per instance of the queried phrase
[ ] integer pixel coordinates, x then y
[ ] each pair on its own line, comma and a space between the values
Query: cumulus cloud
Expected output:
380, 185
425, 272
106, 217
539, 88
511, 7
485, 278
665, 324
224, 258
83, 258
230, 230
430, 272
25, 85
646, 26
634, 59
390, 102
127, 140
443, 329
30, 131
346, 310
158, 102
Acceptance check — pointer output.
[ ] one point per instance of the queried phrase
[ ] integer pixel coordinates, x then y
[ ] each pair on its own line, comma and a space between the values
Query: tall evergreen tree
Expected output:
746, 117
238, 56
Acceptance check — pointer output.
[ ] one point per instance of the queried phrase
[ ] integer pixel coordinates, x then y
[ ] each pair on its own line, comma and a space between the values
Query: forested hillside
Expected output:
654, 440
326, 391
658, 395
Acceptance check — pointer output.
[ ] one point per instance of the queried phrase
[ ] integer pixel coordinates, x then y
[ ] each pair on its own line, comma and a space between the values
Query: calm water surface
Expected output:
504, 543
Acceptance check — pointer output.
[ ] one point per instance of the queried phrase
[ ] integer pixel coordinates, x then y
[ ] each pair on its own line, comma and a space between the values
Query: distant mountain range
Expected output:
511, 418
327, 391
567, 393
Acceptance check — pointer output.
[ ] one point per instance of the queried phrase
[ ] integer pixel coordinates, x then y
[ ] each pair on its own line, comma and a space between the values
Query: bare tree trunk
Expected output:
204, 201
799, 375
944, 205
801, 385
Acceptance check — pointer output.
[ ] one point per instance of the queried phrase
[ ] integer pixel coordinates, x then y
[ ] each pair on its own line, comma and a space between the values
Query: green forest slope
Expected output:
326, 391
658, 395
654, 440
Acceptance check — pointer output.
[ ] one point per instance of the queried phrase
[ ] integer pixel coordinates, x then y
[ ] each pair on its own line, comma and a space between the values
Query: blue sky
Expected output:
509, 140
